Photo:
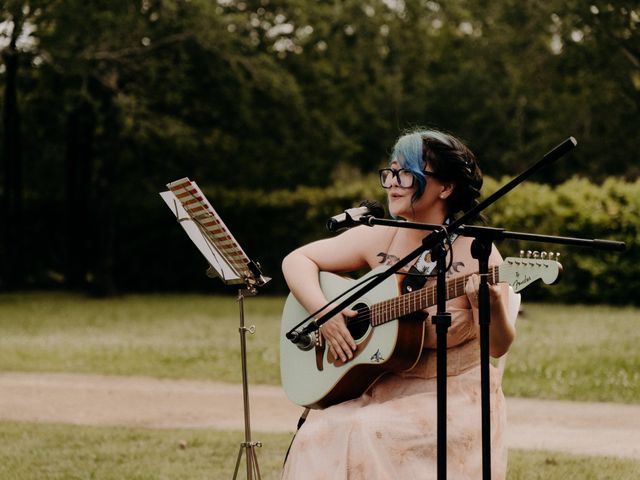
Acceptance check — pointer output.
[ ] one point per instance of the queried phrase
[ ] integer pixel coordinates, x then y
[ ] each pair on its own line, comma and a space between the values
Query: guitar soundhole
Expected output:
359, 325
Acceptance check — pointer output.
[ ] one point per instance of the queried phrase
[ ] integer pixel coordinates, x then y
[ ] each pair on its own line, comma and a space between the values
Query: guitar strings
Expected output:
429, 290
360, 283
423, 293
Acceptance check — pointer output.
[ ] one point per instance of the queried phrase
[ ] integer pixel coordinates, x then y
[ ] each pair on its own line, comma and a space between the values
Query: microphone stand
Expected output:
442, 321
481, 250
437, 236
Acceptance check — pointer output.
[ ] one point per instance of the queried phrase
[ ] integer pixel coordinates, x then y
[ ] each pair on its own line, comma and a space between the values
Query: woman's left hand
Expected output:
472, 289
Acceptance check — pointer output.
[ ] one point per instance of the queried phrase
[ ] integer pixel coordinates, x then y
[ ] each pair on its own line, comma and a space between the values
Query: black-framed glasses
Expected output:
404, 177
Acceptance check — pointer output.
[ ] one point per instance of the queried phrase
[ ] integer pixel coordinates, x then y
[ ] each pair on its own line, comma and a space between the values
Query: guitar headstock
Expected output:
520, 272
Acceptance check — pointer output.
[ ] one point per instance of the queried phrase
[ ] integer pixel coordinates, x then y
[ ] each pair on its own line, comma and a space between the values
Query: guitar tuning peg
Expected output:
536, 254
529, 252
557, 256
543, 255
521, 253
551, 255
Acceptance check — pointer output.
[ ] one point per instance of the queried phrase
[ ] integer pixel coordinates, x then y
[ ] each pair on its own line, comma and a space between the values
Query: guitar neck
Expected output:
408, 303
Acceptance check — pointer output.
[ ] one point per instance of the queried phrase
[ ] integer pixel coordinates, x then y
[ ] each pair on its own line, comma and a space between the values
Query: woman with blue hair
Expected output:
390, 430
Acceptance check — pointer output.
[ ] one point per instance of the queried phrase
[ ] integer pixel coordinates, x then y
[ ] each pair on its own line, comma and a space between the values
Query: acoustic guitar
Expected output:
388, 333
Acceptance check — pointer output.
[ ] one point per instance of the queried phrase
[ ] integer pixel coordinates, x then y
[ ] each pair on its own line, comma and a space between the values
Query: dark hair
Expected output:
452, 161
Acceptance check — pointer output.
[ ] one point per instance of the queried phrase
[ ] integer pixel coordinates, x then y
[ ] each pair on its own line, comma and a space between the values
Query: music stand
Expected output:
231, 264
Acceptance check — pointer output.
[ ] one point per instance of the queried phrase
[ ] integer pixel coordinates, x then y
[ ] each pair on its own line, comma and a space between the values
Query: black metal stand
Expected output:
442, 321
481, 250
430, 241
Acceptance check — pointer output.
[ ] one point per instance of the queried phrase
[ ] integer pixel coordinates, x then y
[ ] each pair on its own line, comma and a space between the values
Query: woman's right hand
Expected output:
337, 335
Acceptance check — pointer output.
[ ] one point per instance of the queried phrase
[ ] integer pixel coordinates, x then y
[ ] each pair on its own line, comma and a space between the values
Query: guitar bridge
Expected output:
319, 351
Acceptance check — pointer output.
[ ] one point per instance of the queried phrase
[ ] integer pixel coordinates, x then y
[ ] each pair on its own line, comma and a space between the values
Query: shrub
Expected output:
270, 224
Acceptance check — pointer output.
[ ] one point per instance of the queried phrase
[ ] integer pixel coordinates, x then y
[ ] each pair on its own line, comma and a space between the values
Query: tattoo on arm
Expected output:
456, 266
386, 259
455, 269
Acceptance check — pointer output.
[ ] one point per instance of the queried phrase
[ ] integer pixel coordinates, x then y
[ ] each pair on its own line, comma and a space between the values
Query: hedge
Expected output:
579, 208
270, 224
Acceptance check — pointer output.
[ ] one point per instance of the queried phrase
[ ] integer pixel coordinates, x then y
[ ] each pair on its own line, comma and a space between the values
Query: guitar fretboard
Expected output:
408, 303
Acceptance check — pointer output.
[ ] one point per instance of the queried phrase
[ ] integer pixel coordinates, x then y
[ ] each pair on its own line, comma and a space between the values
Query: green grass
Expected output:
564, 352
561, 352
576, 353
541, 465
64, 452
171, 336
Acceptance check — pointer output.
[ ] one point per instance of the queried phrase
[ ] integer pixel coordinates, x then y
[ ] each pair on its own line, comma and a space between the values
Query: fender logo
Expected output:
526, 280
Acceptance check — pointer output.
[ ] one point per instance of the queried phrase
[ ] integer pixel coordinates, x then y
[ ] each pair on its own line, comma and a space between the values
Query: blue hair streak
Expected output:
408, 152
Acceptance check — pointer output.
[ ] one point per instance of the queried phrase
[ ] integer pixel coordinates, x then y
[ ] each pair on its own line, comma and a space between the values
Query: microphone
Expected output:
304, 341
352, 216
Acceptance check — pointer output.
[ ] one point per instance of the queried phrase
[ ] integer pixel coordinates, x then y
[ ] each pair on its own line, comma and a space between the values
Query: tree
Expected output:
121, 97
16, 17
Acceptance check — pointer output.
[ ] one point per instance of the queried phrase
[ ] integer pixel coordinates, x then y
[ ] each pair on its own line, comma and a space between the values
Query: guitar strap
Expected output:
301, 421
424, 266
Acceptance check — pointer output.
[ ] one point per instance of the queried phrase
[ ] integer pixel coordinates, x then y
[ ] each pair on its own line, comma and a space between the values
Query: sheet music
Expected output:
208, 232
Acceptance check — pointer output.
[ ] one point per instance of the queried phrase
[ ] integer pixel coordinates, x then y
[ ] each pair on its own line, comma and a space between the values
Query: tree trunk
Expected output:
80, 136
104, 284
12, 271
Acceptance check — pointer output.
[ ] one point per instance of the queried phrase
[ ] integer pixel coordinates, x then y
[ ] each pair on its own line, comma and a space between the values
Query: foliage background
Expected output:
273, 105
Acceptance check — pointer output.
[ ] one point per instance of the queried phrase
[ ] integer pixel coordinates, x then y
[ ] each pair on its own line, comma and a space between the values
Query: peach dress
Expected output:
390, 431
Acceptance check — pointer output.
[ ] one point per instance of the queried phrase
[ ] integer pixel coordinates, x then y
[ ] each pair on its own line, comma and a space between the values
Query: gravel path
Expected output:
574, 427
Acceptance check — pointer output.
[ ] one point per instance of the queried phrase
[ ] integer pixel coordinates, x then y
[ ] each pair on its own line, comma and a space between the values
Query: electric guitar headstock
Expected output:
520, 272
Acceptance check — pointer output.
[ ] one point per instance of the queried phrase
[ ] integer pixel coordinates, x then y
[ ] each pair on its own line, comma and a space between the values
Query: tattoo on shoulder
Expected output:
386, 259
456, 266
455, 269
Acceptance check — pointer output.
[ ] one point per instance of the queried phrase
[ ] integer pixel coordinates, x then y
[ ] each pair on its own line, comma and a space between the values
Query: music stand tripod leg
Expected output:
248, 446
252, 460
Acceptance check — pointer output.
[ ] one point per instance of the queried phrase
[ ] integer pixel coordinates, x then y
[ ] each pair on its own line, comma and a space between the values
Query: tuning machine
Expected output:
531, 256
554, 256
523, 258
526, 256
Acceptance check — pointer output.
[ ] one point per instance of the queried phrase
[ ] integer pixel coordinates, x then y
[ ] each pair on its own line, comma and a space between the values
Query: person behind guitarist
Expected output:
390, 431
